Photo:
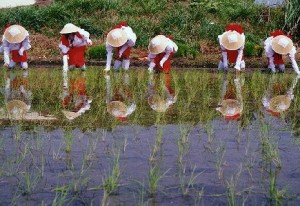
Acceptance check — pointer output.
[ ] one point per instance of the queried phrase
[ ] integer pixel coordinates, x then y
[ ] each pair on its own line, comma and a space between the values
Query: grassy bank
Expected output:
194, 24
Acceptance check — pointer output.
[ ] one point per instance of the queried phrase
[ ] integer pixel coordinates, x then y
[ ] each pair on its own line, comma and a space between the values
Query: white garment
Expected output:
77, 42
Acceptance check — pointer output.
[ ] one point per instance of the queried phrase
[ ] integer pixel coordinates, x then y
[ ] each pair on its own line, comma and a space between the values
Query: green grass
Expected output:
188, 21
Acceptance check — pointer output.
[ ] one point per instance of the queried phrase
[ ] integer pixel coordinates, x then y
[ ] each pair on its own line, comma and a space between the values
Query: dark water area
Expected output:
187, 138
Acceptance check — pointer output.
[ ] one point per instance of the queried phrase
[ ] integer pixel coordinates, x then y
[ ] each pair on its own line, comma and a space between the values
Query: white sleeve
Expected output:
26, 43
64, 49
84, 34
268, 47
293, 60
109, 48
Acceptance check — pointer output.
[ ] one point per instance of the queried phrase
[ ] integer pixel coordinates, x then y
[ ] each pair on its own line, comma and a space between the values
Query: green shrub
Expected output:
185, 51
97, 52
249, 50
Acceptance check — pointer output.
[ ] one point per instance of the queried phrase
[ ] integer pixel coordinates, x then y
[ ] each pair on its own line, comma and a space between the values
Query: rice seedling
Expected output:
61, 196
231, 186
153, 178
68, 137
187, 184
111, 182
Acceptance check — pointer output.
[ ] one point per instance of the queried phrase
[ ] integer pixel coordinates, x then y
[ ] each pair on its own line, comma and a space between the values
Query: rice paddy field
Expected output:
171, 147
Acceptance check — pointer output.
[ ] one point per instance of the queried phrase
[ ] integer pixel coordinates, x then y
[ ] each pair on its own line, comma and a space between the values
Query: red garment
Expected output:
77, 94
125, 54
168, 82
277, 59
16, 56
166, 66
235, 27
76, 56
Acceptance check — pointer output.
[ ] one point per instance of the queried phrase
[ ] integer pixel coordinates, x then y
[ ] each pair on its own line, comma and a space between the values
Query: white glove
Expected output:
225, 61
65, 62
108, 61
271, 64
237, 67
6, 56
162, 61
21, 51
151, 66
124, 47
89, 42
295, 66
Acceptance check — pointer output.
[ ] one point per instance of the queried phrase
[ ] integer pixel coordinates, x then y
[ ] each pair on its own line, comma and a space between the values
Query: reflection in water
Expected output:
18, 98
274, 101
160, 93
120, 102
74, 98
231, 103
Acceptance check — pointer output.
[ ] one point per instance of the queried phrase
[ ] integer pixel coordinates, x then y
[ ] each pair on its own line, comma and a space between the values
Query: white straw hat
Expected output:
158, 103
69, 28
230, 108
15, 34
280, 103
117, 109
116, 37
232, 40
158, 44
282, 44
16, 109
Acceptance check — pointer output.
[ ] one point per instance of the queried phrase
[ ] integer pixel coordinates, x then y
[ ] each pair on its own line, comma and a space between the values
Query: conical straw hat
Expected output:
158, 44
116, 37
232, 40
280, 103
71, 115
69, 28
15, 34
158, 103
16, 109
117, 109
282, 44
230, 108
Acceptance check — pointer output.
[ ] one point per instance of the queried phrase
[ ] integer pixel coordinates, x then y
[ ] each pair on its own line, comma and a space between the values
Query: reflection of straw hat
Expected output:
279, 104
15, 34
118, 109
232, 40
158, 44
282, 44
69, 28
231, 109
116, 37
16, 109
70, 115
158, 103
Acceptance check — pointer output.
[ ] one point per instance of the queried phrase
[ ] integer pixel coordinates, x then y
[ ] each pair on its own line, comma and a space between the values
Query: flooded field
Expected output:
186, 138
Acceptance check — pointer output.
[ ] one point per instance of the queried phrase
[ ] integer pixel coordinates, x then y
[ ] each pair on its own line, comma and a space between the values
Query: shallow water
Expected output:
199, 155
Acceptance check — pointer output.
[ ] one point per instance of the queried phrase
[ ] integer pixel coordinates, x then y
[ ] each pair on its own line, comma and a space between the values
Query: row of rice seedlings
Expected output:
110, 183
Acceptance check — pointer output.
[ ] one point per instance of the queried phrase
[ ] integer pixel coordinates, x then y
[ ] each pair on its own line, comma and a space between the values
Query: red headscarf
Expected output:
279, 32
235, 27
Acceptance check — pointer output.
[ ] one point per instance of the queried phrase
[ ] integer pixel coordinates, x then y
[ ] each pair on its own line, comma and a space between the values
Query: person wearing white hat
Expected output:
15, 42
122, 38
74, 97
161, 50
277, 45
276, 102
73, 43
121, 104
232, 43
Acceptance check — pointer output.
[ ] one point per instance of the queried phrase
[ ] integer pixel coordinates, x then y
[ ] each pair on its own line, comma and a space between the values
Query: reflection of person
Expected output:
277, 103
74, 97
18, 99
15, 42
231, 103
276, 45
120, 104
73, 44
161, 96
122, 38
161, 49
232, 43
